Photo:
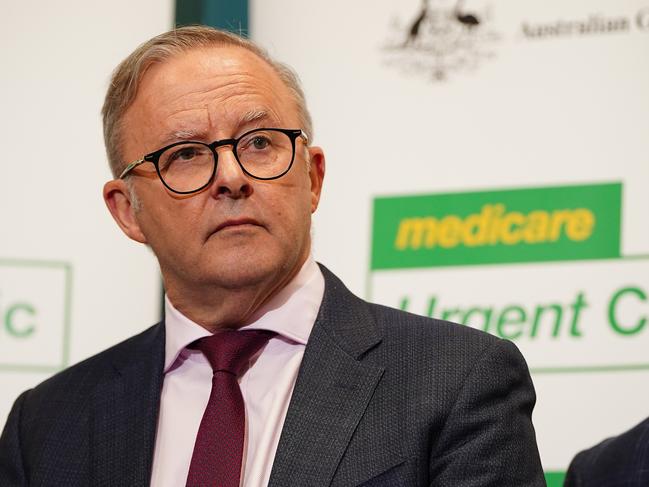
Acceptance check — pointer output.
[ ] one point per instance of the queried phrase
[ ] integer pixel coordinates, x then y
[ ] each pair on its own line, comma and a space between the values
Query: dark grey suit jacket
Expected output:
616, 462
382, 398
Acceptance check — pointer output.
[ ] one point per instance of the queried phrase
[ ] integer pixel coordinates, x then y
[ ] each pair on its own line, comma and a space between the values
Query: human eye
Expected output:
184, 154
257, 141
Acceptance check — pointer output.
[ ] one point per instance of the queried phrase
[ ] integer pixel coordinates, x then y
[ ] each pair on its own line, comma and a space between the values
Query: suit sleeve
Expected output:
12, 472
488, 438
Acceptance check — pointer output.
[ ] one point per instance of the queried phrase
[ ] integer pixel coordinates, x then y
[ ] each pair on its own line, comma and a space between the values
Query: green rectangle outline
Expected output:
65, 355
580, 369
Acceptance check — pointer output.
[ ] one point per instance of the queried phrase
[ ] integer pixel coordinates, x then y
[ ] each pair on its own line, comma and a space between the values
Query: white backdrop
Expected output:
537, 94
75, 284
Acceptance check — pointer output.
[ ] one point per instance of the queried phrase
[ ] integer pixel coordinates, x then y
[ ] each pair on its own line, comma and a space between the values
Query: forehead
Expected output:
208, 90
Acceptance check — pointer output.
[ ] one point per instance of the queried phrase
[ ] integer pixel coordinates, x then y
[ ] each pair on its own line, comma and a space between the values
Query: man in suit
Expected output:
621, 460
266, 370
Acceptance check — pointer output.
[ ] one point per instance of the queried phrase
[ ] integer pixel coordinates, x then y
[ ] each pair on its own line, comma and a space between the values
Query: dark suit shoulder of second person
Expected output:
619, 461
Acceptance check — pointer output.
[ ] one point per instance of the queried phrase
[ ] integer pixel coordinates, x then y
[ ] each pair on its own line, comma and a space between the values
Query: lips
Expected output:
236, 223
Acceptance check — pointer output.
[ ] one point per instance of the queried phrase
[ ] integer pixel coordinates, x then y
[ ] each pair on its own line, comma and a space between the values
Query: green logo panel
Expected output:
488, 227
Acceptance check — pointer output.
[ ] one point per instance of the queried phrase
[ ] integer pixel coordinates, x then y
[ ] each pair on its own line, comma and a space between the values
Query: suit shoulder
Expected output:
77, 378
443, 348
395, 322
406, 336
615, 458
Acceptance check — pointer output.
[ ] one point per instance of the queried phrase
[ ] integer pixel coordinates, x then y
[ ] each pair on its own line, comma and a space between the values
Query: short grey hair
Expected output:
126, 79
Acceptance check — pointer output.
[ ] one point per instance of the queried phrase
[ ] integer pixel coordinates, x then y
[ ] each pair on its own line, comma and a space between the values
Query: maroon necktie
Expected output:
218, 450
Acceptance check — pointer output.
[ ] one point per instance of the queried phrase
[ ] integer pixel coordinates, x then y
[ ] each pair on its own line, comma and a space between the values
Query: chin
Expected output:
240, 270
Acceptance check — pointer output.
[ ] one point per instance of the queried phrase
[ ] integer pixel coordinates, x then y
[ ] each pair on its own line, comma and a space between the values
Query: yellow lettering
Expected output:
449, 231
580, 226
494, 228
537, 227
412, 232
511, 235
474, 231
559, 218
494, 225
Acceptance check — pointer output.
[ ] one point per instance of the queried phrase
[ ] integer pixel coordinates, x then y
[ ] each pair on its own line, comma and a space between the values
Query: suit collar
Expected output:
143, 349
346, 318
332, 391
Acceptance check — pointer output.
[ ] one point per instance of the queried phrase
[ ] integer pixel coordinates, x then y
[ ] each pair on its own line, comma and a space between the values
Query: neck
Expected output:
216, 307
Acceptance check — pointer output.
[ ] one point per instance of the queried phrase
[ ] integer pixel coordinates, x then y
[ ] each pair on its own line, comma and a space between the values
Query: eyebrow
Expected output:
185, 134
249, 117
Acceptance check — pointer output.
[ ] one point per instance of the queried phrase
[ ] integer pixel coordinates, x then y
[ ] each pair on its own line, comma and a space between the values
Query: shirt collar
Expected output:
291, 313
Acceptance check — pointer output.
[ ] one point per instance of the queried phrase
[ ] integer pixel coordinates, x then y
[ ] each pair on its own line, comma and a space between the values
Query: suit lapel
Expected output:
125, 412
331, 393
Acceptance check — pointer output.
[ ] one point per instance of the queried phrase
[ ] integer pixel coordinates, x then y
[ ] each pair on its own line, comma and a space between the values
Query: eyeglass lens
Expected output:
262, 153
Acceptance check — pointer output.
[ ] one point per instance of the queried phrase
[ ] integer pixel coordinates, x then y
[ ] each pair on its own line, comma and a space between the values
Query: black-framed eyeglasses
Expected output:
189, 166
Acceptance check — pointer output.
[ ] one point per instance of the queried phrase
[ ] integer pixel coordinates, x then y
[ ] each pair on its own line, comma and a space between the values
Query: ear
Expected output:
118, 200
316, 174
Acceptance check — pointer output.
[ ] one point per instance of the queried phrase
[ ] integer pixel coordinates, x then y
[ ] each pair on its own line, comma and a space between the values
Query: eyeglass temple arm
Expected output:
134, 164
130, 167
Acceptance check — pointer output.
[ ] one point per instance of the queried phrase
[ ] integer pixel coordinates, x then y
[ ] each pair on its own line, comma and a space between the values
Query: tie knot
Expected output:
230, 350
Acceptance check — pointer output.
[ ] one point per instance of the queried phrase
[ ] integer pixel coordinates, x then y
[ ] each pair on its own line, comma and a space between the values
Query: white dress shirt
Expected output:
266, 386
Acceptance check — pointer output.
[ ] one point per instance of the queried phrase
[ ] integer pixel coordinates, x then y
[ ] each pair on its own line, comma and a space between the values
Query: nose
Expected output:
230, 180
